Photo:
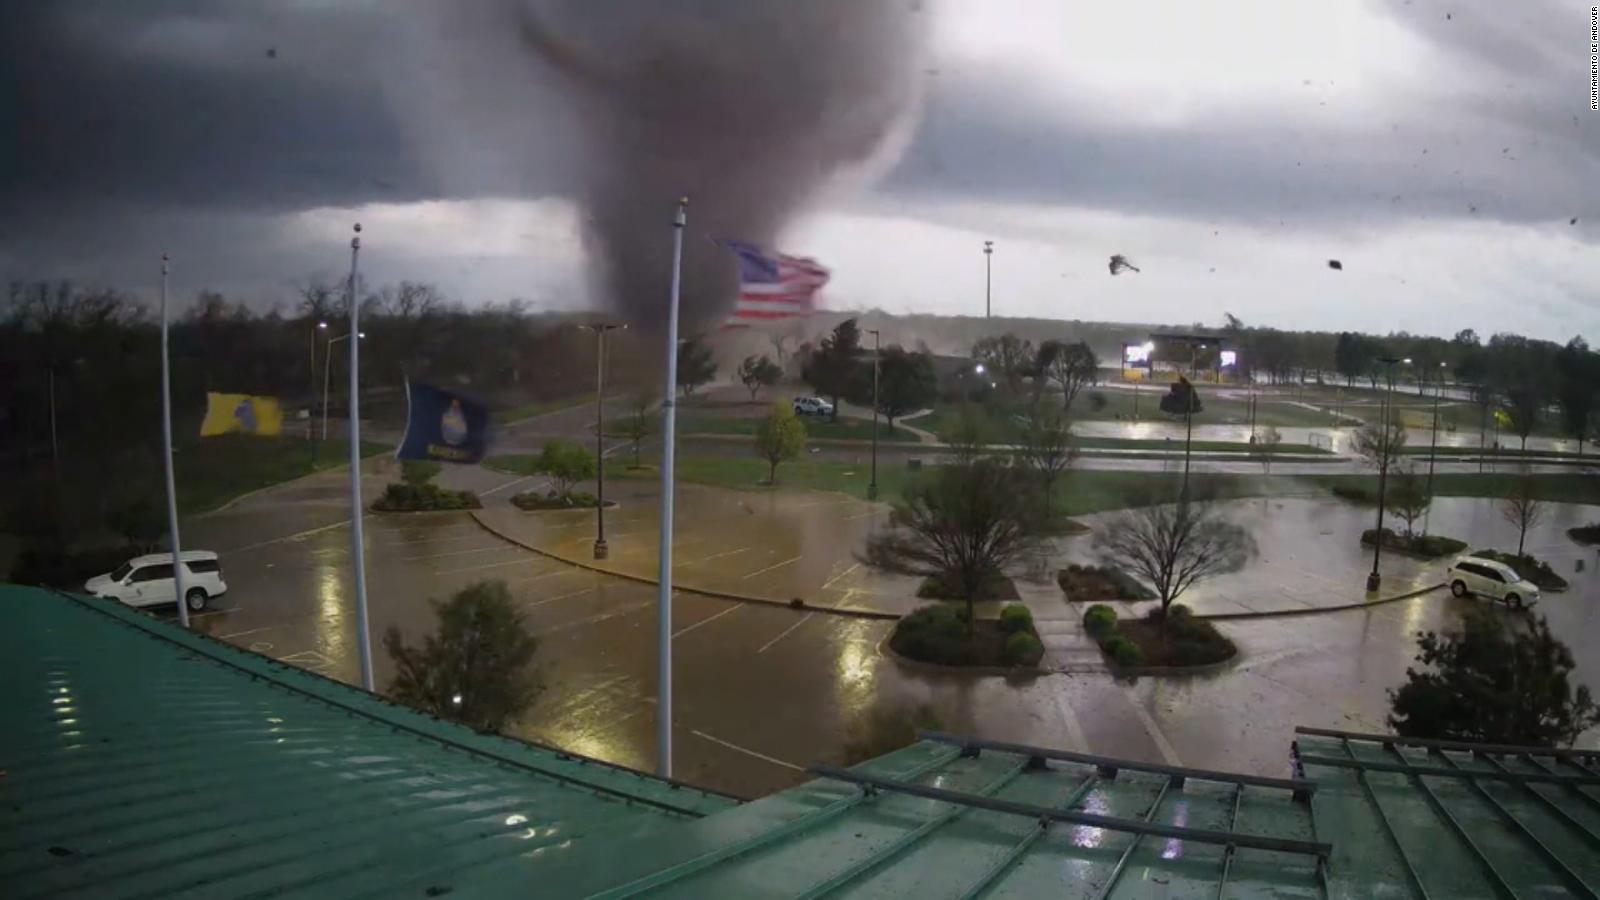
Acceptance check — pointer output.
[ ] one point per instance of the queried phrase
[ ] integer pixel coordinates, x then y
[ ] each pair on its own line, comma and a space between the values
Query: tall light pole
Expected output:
988, 276
669, 422
327, 372
311, 434
1433, 442
600, 329
166, 457
1385, 453
358, 551
872, 486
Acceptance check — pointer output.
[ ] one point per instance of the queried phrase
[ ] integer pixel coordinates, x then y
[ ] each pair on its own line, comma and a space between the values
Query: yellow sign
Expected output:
228, 413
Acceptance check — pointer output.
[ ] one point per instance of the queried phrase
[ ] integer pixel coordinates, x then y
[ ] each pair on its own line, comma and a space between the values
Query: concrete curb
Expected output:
686, 588
1347, 607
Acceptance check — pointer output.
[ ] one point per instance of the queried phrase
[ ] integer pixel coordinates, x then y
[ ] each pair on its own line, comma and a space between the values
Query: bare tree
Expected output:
1409, 498
1174, 546
1266, 446
640, 422
1045, 447
1522, 508
962, 524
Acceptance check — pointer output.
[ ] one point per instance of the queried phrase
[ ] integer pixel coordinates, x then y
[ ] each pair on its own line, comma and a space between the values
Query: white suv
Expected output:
148, 581
1495, 580
812, 406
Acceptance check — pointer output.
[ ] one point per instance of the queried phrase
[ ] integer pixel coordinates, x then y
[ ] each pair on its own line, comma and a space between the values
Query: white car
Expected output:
1495, 580
148, 581
812, 406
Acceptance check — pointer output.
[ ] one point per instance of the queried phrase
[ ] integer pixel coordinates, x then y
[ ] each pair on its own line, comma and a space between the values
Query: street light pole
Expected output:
1433, 442
166, 457
327, 372
872, 486
311, 433
1385, 451
988, 273
601, 551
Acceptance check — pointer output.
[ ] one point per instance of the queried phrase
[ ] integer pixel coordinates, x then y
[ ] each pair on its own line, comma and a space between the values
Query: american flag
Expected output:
774, 287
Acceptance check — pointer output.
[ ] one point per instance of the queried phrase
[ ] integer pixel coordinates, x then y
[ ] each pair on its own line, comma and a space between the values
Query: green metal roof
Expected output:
143, 760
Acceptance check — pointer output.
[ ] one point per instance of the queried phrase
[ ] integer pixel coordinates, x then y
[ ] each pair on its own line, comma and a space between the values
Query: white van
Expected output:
812, 406
1495, 580
148, 581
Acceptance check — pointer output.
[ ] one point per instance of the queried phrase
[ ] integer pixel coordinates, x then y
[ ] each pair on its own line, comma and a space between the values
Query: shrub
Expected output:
933, 634
1099, 620
1430, 546
1529, 567
1015, 617
1355, 494
1023, 649
1123, 652
533, 500
1100, 583
48, 567
1179, 611
425, 497
1585, 534
418, 472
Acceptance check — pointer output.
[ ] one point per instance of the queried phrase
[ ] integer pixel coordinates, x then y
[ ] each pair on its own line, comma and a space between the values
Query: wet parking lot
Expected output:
763, 691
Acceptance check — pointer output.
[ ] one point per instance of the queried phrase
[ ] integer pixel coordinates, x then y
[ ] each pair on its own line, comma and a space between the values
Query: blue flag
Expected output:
443, 426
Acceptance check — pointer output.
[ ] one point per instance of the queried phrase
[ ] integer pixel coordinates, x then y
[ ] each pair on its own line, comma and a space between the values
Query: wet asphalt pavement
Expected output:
762, 692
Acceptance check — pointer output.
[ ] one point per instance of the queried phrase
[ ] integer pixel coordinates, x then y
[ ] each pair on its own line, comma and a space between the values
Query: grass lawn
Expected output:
1504, 453
1105, 443
845, 428
528, 410
215, 470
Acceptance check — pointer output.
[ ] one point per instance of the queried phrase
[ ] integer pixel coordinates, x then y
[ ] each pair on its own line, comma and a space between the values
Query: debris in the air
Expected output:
1335, 264
1120, 262
272, 53
1573, 221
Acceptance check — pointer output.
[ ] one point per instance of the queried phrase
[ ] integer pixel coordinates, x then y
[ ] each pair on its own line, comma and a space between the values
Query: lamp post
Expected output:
1385, 452
1433, 441
600, 329
988, 273
327, 370
311, 434
872, 485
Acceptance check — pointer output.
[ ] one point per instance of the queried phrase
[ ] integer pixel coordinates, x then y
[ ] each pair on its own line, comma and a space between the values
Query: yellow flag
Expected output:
226, 413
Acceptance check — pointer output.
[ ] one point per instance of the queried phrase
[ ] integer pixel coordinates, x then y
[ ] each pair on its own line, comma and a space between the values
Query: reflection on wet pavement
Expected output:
762, 689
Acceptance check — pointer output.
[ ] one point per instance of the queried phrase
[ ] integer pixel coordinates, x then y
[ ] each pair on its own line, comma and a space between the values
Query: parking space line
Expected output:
498, 489
745, 750
549, 574
288, 537
829, 583
489, 549
232, 635
711, 557
431, 539
494, 565
771, 567
689, 628
1075, 738
1168, 753
214, 612
785, 633
586, 590
870, 512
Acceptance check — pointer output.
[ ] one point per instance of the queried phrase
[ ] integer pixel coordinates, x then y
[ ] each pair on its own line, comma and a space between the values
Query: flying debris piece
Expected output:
1120, 262
1335, 264
272, 53
1573, 221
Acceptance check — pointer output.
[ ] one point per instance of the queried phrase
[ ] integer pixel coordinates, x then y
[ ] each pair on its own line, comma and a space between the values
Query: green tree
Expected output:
418, 472
757, 372
1007, 357
906, 383
474, 669
1072, 367
696, 365
1491, 683
567, 463
831, 368
1173, 546
780, 436
1577, 381
961, 524
1181, 399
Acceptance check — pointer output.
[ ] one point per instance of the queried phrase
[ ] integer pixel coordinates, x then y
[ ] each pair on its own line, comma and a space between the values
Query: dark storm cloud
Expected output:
220, 105
1492, 136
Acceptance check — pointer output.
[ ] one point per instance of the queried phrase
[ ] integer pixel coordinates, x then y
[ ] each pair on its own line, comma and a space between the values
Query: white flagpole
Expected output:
664, 574
166, 456
357, 544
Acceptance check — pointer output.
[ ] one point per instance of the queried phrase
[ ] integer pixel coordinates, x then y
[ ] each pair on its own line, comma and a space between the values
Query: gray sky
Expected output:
1440, 150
